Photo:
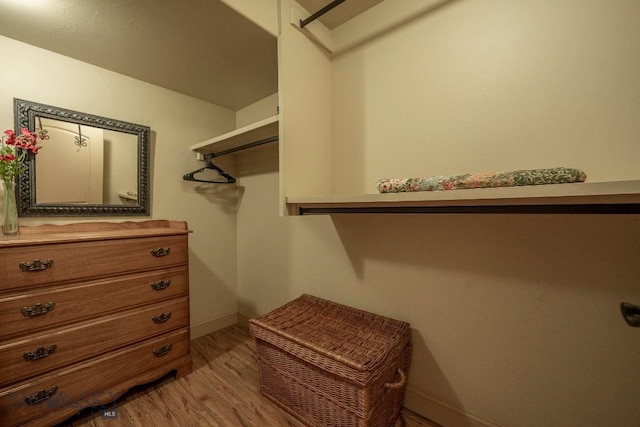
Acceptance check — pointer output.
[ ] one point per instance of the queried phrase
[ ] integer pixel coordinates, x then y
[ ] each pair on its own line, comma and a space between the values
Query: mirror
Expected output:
89, 166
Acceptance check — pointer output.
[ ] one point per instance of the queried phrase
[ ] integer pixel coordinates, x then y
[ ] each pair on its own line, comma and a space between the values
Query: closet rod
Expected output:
209, 164
606, 208
319, 13
244, 147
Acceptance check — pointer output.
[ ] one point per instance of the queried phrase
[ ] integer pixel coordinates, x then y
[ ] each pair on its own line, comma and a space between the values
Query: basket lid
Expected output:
355, 338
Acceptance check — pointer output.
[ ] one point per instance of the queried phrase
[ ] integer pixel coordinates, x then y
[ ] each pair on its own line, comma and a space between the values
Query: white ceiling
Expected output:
201, 48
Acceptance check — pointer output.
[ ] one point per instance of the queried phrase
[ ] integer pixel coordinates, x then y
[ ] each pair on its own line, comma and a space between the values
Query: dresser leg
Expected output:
184, 367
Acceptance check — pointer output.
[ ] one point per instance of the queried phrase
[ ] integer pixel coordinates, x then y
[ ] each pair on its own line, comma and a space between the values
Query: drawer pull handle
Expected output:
162, 317
39, 353
161, 284
159, 352
38, 309
160, 252
36, 265
41, 396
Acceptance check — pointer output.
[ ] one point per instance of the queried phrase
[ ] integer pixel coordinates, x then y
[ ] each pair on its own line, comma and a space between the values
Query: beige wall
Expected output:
304, 89
516, 318
477, 86
257, 111
176, 122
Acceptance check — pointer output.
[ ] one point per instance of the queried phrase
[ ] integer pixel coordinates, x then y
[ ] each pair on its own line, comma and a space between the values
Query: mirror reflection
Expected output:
89, 166
98, 166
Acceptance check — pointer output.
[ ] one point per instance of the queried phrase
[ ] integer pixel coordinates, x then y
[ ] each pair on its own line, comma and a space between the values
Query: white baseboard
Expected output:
211, 325
440, 411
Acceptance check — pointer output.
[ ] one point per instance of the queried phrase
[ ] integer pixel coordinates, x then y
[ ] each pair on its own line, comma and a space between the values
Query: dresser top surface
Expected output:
55, 233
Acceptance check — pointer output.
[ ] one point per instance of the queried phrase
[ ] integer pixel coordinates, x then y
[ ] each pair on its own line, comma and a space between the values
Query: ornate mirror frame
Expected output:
25, 117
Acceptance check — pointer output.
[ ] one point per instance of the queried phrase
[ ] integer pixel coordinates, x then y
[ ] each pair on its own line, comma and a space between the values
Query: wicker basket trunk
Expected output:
328, 364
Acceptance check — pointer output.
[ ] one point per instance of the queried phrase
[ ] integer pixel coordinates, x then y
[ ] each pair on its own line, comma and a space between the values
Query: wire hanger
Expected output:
209, 165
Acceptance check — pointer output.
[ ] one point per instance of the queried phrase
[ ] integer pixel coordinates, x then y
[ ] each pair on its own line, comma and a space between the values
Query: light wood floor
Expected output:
222, 390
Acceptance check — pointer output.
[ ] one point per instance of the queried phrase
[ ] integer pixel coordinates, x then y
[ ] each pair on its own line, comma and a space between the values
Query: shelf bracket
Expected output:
318, 14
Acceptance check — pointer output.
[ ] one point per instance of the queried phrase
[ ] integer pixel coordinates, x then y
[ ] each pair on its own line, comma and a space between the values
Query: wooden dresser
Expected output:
86, 312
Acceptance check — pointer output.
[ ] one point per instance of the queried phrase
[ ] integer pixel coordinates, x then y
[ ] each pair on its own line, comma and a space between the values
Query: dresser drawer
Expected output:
87, 384
80, 301
28, 356
53, 263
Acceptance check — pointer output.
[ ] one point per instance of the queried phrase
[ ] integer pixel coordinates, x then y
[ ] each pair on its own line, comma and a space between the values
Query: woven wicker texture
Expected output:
333, 365
357, 339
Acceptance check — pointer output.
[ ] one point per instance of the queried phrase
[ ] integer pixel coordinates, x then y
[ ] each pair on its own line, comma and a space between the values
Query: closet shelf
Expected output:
616, 197
250, 136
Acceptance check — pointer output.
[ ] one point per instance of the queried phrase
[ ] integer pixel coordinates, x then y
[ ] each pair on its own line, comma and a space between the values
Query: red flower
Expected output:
11, 137
13, 149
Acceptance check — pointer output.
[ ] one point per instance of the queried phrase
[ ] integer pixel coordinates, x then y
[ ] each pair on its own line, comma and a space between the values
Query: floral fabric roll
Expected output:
558, 175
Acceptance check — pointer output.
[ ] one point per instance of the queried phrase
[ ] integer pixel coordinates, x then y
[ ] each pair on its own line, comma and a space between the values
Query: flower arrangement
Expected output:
14, 149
